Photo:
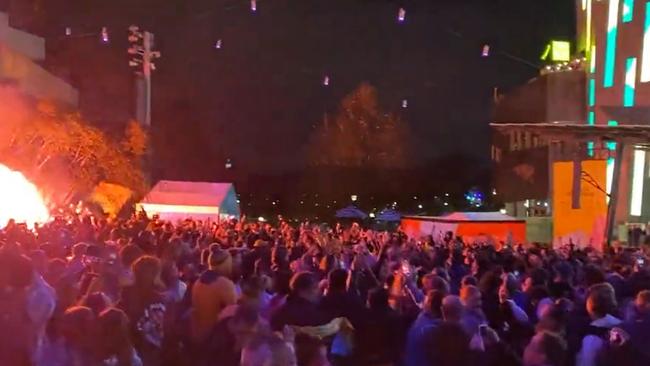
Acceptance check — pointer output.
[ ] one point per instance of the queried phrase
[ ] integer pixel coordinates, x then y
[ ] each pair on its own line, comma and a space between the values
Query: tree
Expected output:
58, 149
361, 134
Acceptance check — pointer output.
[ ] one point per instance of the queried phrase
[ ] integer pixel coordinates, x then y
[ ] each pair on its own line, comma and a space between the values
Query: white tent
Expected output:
174, 200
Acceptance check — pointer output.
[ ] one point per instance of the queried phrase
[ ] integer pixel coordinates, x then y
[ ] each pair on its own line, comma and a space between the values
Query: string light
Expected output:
401, 15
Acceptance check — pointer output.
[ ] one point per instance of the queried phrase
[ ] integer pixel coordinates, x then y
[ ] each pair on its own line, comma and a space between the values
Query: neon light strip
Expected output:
153, 208
609, 174
591, 120
546, 52
588, 29
637, 183
592, 60
628, 10
592, 92
612, 145
584, 4
645, 56
610, 51
630, 82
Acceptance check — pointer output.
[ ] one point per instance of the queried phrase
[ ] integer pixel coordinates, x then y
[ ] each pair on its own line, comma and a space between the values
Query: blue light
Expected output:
610, 51
630, 82
628, 10
612, 145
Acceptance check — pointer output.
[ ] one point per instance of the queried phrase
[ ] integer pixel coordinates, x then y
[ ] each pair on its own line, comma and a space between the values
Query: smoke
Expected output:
14, 111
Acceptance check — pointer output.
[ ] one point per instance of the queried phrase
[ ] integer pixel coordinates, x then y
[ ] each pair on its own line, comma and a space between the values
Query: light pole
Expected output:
141, 48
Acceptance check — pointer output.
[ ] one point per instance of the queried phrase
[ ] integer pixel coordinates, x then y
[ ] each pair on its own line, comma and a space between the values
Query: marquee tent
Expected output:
469, 225
174, 200
351, 212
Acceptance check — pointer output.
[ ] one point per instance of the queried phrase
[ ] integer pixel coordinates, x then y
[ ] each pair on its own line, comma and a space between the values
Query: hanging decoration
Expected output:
326, 80
104, 35
218, 44
486, 50
401, 15
405, 103
253, 5
68, 31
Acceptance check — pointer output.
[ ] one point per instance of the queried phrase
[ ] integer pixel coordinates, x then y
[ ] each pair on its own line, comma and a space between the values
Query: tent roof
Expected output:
167, 192
351, 212
469, 217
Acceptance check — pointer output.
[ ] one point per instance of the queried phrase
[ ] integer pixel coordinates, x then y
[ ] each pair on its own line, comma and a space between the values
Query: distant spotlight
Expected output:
372, 215
446, 204
494, 192
420, 207
104, 35
486, 50
68, 31
405, 103
253, 5
218, 44
326, 80
353, 198
503, 211
401, 15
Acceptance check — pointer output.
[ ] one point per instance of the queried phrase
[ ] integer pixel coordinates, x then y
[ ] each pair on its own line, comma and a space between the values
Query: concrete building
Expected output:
21, 55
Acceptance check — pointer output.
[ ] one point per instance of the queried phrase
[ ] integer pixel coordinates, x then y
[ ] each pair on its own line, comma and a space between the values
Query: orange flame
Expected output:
20, 199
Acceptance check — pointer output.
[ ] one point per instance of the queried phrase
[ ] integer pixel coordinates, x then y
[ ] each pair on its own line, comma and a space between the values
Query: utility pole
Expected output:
142, 43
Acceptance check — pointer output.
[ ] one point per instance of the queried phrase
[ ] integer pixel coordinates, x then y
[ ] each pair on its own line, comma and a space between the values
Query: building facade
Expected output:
21, 56
614, 36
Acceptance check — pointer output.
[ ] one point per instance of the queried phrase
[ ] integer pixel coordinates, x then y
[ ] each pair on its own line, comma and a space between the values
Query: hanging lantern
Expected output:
401, 15
218, 44
405, 103
326, 80
104, 35
68, 31
486, 50
253, 5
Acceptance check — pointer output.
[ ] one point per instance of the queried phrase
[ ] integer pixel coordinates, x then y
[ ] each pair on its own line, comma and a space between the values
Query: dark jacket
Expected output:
343, 304
298, 311
380, 338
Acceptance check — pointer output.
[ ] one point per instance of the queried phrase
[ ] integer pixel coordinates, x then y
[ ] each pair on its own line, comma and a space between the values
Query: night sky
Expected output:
257, 99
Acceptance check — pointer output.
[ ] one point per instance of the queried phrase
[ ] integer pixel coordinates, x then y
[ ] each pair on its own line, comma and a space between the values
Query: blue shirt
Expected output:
415, 354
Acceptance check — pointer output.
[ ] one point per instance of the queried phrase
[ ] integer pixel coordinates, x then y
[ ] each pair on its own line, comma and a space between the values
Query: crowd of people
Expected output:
82, 291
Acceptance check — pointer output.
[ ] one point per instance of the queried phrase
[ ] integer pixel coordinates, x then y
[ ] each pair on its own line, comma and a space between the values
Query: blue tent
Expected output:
351, 212
389, 215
